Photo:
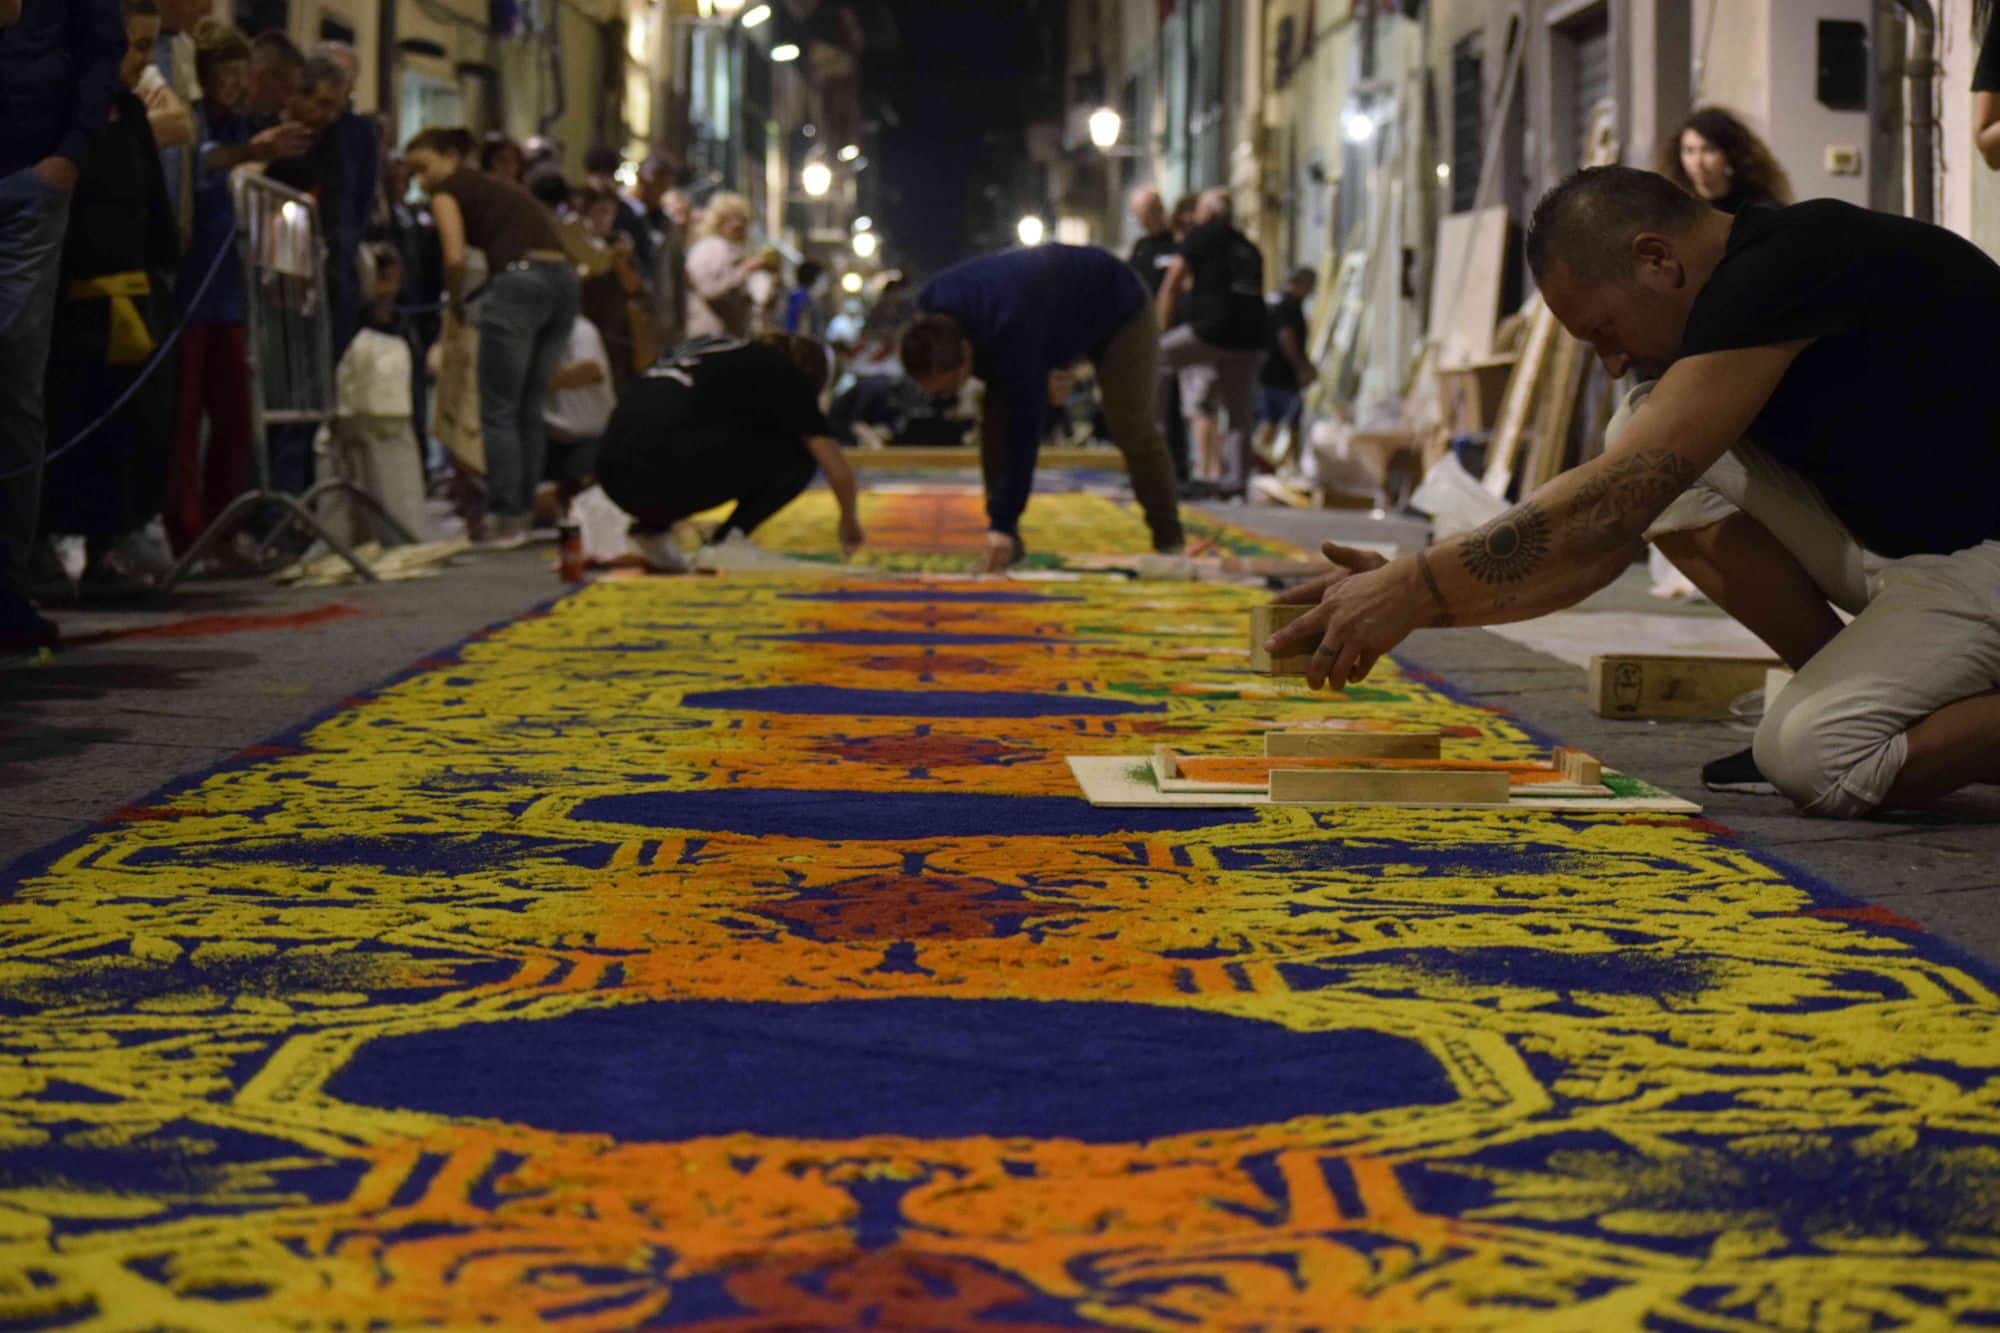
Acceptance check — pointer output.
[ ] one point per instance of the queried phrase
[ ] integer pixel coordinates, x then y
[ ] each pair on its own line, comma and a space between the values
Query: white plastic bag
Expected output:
1454, 499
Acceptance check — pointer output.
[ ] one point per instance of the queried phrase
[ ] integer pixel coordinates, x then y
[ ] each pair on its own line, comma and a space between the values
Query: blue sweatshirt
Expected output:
1028, 312
58, 70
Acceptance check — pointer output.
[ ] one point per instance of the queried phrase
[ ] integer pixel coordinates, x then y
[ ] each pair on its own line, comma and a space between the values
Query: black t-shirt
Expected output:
1150, 256
1228, 301
1986, 70
743, 397
1287, 312
1891, 412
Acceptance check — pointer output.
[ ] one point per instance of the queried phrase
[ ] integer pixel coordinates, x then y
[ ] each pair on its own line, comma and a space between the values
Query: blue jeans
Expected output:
32, 218
525, 315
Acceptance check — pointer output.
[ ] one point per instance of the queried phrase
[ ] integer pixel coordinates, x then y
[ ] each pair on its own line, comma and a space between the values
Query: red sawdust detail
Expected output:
1867, 914
889, 907
892, 1287
910, 749
142, 814
270, 751
949, 663
196, 627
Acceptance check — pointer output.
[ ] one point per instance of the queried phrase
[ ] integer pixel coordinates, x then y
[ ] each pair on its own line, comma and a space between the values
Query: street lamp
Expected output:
865, 244
1030, 230
1104, 127
816, 178
784, 53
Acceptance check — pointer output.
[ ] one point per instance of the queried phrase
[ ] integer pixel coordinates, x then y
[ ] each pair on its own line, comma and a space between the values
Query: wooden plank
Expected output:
1340, 786
1635, 685
1228, 772
1521, 386
1125, 782
1353, 744
1465, 284
1266, 621
1556, 413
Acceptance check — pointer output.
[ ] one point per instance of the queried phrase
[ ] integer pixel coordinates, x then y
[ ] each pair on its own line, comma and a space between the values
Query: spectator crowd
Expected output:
527, 289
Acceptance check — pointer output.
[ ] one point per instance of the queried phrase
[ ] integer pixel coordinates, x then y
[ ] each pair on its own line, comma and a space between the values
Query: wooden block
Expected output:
1352, 744
1298, 786
1266, 621
1633, 685
1578, 767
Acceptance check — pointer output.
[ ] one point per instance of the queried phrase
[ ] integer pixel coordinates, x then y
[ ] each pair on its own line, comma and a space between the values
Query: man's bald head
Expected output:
1590, 221
340, 53
1212, 204
1148, 210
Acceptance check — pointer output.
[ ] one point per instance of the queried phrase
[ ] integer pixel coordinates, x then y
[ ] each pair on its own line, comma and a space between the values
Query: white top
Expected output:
374, 376
582, 414
717, 304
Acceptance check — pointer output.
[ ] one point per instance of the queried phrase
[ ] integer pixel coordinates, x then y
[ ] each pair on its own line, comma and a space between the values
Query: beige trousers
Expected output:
1926, 632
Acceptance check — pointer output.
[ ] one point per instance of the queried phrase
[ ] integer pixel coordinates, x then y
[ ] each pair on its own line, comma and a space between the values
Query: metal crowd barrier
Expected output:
288, 341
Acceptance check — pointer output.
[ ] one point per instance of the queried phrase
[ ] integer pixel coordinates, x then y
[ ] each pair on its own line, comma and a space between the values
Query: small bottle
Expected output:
569, 549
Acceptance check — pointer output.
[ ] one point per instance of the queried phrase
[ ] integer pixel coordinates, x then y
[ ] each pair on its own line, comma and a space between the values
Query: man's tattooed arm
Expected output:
1559, 545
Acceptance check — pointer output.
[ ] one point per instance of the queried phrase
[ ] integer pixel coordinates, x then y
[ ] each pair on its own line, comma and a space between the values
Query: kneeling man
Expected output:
1824, 432
724, 420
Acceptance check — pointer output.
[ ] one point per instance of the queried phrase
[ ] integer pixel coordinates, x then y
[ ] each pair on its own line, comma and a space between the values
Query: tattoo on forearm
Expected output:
1508, 549
1614, 507
1431, 582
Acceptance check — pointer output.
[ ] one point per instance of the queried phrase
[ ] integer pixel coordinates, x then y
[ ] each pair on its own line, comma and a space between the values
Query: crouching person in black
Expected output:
724, 420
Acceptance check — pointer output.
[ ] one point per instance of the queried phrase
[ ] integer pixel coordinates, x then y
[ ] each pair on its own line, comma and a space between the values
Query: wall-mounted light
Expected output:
1444, 172
757, 16
849, 152
816, 178
866, 244
784, 53
864, 223
1031, 230
1105, 125
851, 284
1357, 125
727, 6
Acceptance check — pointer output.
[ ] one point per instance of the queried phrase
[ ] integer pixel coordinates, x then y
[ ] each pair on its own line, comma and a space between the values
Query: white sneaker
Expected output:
659, 550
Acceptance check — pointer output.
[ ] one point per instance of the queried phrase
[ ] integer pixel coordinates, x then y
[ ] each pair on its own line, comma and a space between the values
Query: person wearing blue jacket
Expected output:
1012, 318
58, 71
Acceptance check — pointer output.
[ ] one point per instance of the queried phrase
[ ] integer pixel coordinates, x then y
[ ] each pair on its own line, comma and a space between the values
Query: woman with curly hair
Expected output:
1716, 157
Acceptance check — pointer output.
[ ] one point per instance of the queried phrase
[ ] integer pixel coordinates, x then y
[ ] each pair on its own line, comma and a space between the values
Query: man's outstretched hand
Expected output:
1347, 561
1363, 608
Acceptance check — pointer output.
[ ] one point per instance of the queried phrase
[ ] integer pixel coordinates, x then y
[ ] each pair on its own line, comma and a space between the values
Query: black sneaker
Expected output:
22, 631
1738, 773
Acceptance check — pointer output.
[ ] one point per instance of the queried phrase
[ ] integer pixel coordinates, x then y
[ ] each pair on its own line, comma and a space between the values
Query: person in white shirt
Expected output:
577, 410
721, 302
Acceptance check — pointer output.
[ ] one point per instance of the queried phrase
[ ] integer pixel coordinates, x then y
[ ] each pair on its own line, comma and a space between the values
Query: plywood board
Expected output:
1354, 744
1118, 781
1465, 288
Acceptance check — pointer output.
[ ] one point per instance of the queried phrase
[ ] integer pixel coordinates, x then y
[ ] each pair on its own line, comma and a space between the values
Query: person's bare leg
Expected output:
1954, 747
1208, 446
1749, 573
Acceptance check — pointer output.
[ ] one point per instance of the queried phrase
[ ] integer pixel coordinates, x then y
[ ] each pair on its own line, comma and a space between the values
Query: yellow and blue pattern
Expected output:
737, 955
